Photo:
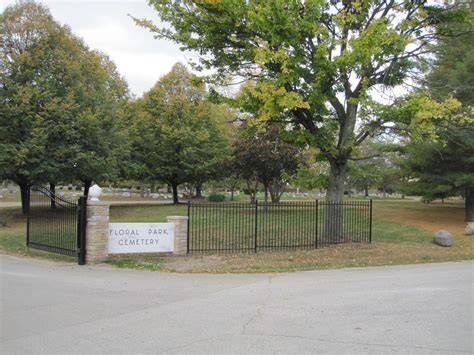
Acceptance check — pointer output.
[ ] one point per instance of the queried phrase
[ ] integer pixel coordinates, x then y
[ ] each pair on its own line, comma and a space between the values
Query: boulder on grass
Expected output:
469, 228
443, 238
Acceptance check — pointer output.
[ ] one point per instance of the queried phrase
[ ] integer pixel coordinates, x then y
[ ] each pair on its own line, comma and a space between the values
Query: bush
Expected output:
216, 197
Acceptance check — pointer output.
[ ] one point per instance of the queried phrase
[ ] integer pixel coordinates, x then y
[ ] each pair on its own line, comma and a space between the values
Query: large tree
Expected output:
444, 168
59, 101
317, 62
188, 143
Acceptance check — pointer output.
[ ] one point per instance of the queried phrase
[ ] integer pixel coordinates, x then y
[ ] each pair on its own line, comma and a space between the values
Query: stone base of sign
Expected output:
97, 231
180, 234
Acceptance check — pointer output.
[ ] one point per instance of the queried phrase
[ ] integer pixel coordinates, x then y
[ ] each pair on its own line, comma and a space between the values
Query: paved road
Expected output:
62, 308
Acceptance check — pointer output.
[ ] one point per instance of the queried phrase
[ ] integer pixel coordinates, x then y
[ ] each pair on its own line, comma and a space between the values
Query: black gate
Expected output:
56, 224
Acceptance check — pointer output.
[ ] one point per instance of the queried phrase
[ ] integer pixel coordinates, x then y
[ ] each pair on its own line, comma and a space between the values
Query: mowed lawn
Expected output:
402, 232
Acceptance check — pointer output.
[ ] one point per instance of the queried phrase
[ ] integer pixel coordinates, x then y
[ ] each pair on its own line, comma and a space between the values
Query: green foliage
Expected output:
452, 71
215, 197
59, 102
444, 168
312, 173
264, 157
177, 135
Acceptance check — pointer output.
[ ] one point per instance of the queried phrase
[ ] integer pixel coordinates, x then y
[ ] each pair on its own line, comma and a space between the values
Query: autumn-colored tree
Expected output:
315, 64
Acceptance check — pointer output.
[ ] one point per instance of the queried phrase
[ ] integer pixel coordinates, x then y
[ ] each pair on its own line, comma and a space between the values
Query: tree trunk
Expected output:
276, 191
142, 188
265, 186
198, 191
24, 197
174, 186
87, 186
366, 190
232, 194
333, 219
52, 188
469, 204
252, 192
337, 176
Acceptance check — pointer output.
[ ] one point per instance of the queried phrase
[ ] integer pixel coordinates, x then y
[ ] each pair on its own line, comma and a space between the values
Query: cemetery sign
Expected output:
127, 238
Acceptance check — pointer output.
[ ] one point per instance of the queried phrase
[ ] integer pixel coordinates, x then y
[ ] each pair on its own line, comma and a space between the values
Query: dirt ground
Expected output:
430, 217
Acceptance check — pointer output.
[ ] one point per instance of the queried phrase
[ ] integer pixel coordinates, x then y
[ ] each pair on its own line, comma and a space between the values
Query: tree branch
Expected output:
365, 158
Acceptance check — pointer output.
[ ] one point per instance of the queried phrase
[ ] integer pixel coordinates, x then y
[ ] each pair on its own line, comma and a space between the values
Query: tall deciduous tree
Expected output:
317, 62
188, 141
58, 101
34, 51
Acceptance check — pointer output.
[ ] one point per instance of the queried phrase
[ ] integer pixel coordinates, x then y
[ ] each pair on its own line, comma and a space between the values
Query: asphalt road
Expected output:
57, 308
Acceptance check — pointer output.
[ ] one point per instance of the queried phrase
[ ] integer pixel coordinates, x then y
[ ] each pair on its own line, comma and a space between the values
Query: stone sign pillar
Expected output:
180, 234
97, 229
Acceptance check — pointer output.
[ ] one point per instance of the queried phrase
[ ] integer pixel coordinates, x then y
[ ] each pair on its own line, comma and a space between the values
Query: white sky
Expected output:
104, 25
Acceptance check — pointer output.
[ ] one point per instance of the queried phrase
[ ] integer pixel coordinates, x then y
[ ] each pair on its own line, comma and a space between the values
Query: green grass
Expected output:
387, 231
143, 262
146, 213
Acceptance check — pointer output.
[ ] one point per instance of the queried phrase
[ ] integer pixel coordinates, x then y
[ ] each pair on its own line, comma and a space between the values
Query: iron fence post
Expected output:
256, 222
370, 222
81, 230
317, 221
187, 236
28, 216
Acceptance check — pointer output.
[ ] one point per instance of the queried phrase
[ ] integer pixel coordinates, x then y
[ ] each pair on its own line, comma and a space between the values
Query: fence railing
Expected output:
245, 227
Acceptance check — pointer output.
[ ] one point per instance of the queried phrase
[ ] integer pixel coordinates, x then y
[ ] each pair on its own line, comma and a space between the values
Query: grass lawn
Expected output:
402, 232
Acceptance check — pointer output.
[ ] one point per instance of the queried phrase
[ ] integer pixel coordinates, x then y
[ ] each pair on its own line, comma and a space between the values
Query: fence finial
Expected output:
94, 192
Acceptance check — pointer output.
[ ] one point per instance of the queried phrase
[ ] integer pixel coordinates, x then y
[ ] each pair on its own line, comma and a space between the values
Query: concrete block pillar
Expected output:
97, 231
180, 234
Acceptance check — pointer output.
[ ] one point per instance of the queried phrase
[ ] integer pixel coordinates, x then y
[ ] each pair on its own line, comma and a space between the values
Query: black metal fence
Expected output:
56, 224
244, 227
